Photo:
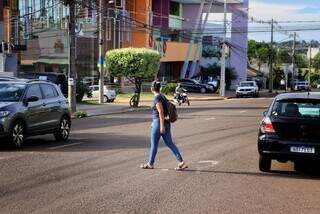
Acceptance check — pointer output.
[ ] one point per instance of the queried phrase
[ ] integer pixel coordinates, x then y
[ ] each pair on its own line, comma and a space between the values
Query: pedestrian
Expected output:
161, 127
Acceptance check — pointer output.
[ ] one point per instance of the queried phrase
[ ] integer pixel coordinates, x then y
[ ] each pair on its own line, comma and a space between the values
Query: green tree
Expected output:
301, 61
258, 52
136, 64
283, 56
316, 62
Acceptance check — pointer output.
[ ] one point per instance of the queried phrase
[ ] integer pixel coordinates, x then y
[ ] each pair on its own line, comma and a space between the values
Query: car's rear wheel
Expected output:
203, 90
63, 132
17, 134
264, 164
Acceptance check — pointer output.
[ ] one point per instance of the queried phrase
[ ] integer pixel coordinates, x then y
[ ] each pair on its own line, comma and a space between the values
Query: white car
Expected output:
109, 94
247, 88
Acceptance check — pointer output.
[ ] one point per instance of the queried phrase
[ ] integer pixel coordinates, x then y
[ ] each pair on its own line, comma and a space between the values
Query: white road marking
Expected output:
63, 146
243, 111
165, 170
210, 118
212, 162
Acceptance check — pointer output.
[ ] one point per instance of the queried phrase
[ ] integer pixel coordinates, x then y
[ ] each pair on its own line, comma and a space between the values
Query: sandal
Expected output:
181, 166
146, 166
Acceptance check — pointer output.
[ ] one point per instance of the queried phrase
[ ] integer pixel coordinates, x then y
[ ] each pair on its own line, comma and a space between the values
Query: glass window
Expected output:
34, 90
175, 8
297, 108
11, 92
247, 84
48, 91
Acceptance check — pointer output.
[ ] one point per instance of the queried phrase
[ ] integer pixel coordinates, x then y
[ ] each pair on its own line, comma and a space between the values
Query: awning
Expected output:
49, 61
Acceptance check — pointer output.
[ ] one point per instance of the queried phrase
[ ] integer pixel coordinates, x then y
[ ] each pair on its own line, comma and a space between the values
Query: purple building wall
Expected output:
239, 36
1, 11
160, 9
189, 13
239, 40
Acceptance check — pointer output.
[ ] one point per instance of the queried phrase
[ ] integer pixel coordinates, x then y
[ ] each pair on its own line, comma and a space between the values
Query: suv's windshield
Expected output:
246, 84
11, 92
297, 108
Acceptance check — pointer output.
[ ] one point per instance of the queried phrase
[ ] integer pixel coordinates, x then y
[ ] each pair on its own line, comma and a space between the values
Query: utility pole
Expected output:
72, 75
310, 66
293, 58
223, 54
271, 60
101, 50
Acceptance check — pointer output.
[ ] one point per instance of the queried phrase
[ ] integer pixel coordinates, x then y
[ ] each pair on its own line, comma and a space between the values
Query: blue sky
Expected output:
287, 10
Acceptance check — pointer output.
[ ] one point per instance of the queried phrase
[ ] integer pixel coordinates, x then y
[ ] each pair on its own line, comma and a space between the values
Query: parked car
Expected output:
192, 85
57, 78
247, 88
89, 80
209, 81
29, 107
2, 79
109, 94
289, 130
302, 86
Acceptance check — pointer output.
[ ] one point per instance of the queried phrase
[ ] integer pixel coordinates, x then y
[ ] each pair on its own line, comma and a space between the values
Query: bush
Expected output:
80, 114
82, 89
169, 88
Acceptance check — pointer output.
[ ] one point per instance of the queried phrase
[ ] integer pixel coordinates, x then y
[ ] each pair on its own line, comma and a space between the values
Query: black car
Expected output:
290, 130
57, 78
32, 107
192, 85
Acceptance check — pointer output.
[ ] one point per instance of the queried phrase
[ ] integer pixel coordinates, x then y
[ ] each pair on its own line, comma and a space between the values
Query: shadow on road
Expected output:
312, 175
85, 142
107, 121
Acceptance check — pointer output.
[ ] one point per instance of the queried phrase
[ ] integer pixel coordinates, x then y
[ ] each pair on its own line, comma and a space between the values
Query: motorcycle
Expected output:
181, 98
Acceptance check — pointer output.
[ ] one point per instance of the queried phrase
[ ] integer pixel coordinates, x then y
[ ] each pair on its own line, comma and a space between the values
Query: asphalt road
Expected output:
97, 171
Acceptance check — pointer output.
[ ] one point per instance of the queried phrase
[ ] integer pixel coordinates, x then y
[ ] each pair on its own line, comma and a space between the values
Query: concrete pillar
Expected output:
239, 41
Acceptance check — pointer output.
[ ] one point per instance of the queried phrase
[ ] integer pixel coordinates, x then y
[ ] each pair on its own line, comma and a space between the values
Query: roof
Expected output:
304, 95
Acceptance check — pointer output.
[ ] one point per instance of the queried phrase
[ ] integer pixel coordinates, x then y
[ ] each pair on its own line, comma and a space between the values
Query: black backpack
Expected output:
171, 111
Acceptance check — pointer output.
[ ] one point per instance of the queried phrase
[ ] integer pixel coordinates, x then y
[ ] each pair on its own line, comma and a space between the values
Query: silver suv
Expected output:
32, 107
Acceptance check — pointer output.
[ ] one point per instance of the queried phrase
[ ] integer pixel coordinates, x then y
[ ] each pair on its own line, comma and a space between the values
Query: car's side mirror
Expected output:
265, 113
32, 99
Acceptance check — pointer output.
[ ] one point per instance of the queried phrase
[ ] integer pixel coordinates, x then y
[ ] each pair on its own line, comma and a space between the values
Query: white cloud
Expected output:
280, 12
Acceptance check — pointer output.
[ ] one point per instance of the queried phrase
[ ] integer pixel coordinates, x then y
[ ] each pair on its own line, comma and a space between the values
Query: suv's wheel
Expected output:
62, 134
106, 99
264, 164
17, 134
203, 90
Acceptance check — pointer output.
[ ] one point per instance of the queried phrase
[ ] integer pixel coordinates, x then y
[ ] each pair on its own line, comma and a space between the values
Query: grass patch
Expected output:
80, 114
144, 97
89, 102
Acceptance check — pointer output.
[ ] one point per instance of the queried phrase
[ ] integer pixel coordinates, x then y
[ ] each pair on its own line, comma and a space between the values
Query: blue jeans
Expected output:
167, 138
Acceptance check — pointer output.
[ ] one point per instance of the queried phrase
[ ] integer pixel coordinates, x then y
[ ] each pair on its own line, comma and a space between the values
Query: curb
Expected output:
143, 108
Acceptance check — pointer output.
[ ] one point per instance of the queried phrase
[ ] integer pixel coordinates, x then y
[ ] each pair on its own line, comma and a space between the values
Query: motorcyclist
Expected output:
179, 91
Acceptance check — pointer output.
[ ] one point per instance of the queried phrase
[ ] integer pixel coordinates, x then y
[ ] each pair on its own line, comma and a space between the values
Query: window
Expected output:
34, 90
11, 92
297, 108
175, 8
48, 91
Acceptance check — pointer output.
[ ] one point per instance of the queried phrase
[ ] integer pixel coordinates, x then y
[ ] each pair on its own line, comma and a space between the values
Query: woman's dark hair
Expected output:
156, 86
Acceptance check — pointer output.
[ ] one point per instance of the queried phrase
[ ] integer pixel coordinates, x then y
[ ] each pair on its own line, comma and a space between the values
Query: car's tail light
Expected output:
266, 126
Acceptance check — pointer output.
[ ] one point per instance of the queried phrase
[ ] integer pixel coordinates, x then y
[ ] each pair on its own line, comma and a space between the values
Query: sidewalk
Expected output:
121, 107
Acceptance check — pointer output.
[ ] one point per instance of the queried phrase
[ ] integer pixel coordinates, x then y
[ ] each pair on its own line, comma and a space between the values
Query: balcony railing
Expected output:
175, 22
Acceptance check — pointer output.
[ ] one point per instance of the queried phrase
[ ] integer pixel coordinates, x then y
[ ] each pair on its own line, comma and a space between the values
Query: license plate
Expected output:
302, 149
